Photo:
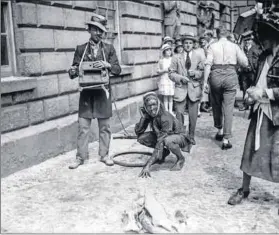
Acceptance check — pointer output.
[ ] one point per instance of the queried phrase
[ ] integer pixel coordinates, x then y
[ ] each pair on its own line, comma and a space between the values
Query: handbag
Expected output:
90, 77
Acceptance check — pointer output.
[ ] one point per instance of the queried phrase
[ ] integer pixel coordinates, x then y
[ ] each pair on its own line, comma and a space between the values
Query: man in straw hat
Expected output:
94, 103
261, 152
166, 133
220, 64
186, 70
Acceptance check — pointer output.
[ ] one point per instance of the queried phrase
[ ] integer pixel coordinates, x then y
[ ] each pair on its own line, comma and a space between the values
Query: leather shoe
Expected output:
107, 160
243, 108
76, 164
203, 108
219, 137
192, 140
226, 146
237, 197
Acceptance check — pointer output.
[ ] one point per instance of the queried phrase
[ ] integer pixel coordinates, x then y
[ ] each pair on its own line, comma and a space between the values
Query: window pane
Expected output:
4, 50
3, 28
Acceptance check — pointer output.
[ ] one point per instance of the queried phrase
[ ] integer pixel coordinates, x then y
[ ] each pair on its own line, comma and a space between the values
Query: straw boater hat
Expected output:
98, 21
189, 36
167, 39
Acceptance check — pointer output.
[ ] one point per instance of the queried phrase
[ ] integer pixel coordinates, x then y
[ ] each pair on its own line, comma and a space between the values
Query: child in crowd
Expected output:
165, 85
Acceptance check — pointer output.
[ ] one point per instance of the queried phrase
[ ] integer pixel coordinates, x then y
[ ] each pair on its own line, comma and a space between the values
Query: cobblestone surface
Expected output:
51, 198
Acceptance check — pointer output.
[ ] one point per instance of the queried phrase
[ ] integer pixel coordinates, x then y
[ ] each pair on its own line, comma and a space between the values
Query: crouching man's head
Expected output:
151, 104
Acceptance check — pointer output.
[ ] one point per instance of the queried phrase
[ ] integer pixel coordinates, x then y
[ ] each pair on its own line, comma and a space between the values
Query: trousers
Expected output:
171, 142
193, 108
223, 85
84, 125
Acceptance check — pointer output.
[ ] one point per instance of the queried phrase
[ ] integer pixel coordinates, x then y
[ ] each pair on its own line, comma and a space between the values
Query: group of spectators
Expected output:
206, 72
199, 52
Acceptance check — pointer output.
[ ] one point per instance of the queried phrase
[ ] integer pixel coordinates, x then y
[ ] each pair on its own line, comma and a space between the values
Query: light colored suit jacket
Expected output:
177, 72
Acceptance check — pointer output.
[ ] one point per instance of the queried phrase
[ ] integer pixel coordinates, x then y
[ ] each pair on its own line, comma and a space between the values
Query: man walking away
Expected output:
222, 58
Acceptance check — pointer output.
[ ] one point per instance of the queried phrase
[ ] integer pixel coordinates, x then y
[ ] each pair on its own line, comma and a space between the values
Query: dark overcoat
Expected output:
272, 83
94, 103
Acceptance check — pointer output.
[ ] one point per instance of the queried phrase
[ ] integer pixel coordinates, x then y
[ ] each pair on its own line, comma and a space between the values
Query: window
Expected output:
109, 9
7, 41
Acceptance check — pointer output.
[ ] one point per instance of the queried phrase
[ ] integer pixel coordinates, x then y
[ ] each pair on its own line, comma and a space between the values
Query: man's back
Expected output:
224, 52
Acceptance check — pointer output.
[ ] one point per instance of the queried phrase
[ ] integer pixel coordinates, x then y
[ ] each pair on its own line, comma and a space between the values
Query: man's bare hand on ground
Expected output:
145, 173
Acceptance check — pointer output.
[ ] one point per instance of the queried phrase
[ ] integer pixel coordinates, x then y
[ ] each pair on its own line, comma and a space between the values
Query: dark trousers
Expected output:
172, 143
193, 108
84, 125
223, 85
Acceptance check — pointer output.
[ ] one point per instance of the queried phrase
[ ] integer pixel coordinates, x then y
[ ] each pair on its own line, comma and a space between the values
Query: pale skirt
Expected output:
165, 85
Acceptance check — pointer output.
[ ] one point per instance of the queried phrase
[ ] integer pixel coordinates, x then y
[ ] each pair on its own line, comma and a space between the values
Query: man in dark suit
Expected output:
186, 70
247, 75
94, 103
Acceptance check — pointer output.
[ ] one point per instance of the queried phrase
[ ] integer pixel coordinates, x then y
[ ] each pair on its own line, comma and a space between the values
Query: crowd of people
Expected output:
196, 74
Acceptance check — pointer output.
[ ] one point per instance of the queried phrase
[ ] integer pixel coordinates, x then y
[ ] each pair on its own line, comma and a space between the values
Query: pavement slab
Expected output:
50, 198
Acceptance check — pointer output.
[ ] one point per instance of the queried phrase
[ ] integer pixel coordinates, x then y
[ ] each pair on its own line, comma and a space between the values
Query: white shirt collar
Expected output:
190, 54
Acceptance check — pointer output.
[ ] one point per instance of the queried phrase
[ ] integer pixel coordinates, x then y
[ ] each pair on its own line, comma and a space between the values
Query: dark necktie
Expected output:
246, 50
188, 61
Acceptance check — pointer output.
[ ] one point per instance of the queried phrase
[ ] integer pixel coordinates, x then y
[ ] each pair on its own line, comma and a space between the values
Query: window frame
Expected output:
10, 69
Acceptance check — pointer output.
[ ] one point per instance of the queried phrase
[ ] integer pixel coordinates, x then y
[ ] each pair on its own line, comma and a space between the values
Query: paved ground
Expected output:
51, 198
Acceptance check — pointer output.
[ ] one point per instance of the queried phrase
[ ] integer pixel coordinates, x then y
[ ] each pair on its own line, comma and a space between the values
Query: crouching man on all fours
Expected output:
166, 134
94, 103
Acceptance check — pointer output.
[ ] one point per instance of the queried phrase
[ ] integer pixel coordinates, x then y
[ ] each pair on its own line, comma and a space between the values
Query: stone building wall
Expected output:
39, 102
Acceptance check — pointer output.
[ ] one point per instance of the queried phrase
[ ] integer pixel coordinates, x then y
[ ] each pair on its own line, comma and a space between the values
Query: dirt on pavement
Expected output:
50, 198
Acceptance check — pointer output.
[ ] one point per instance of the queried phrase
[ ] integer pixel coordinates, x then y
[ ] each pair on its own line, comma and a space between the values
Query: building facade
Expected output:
38, 38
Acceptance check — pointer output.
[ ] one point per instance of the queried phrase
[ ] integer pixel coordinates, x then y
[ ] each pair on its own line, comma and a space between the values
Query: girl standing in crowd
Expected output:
165, 85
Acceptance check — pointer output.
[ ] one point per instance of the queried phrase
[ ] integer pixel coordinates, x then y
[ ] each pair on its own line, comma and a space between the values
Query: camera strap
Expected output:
103, 86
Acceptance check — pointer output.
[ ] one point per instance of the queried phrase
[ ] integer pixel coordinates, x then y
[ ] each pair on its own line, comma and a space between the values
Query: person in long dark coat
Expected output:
261, 152
94, 103
247, 75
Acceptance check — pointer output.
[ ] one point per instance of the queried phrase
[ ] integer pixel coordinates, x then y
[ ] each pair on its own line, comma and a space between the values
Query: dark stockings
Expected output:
246, 182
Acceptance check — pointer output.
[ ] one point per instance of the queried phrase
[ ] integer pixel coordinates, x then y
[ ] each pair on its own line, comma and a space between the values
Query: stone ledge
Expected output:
15, 84
32, 145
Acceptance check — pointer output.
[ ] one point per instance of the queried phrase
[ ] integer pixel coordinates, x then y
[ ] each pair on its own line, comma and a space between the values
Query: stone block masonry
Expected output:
52, 138
46, 35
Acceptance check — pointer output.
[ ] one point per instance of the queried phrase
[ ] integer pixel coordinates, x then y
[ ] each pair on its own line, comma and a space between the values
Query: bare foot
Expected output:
178, 165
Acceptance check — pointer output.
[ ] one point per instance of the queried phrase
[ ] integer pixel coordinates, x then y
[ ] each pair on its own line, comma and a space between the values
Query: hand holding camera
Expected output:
100, 64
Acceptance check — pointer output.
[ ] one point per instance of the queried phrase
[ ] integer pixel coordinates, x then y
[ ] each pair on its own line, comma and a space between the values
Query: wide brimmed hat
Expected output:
202, 4
189, 36
178, 44
211, 6
202, 37
165, 47
98, 21
167, 39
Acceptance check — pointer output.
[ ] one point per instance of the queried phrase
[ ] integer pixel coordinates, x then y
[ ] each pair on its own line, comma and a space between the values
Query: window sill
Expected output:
16, 84
125, 70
